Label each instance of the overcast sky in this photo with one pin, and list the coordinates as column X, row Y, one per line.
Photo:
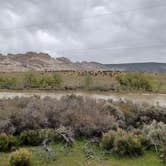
column 107, row 31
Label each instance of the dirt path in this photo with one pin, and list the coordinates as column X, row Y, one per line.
column 153, row 99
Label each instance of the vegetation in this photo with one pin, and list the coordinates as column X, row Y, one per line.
column 77, row 130
column 85, row 116
column 31, row 137
column 156, row 134
column 21, row 157
column 77, row 157
column 7, row 83
column 7, row 142
column 75, row 80
column 94, row 128
column 123, row 143
column 44, row 81
column 88, row 81
column 135, row 81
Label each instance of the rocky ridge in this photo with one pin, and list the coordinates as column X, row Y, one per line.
column 43, row 62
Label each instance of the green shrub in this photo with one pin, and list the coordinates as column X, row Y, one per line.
column 135, row 81
column 21, row 157
column 7, row 142
column 30, row 137
column 128, row 144
column 64, row 135
column 141, row 137
column 122, row 143
column 155, row 133
column 36, row 137
column 57, row 80
column 30, row 80
column 7, row 83
column 46, row 133
column 88, row 81
column 50, row 81
column 108, row 140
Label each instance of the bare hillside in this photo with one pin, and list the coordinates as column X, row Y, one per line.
column 42, row 62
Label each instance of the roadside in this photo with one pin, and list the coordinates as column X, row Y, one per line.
column 149, row 98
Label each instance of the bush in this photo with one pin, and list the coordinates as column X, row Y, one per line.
column 135, row 81
column 128, row 145
column 30, row 137
column 137, row 114
column 30, row 80
column 85, row 116
column 7, row 142
column 57, row 80
column 108, row 139
column 88, row 81
column 6, row 127
column 7, row 83
column 36, row 137
column 153, row 113
column 122, row 143
column 21, row 157
column 47, row 133
column 156, row 134
column 65, row 135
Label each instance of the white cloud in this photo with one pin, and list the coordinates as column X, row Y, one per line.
column 59, row 29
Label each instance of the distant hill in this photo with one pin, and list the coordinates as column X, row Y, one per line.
column 43, row 62
column 140, row 67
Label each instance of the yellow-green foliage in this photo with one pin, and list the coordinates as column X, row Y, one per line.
column 31, row 80
column 7, row 142
column 21, row 157
column 30, row 137
column 6, row 82
column 135, row 81
column 99, row 80
column 122, row 142
column 108, row 140
column 36, row 137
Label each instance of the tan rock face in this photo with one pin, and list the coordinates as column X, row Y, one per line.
column 42, row 62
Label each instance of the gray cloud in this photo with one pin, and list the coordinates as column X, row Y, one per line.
column 134, row 31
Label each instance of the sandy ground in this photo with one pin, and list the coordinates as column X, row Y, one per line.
column 152, row 99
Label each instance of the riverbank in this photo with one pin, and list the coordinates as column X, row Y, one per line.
column 149, row 98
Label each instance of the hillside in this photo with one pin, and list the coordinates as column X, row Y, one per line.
column 42, row 62
column 139, row 67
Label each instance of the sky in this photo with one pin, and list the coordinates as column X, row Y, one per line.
column 107, row 31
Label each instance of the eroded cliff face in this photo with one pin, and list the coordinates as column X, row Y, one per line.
column 42, row 62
